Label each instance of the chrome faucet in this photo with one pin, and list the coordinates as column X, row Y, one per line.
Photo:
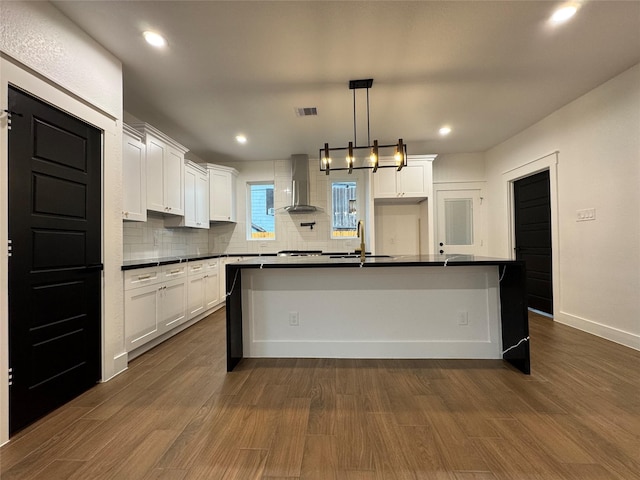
column 361, row 235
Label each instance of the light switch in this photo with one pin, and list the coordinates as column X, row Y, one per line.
column 586, row 215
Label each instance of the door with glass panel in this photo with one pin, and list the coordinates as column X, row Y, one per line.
column 458, row 222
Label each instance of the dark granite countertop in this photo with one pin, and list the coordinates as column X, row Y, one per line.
column 341, row 260
column 335, row 259
column 153, row 262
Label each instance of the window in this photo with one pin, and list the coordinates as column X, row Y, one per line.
column 344, row 210
column 458, row 217
column 261, row 217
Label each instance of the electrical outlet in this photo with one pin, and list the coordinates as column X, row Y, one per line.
column 294, row 319
column 463, row 318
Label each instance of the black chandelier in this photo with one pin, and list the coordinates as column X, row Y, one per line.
column 364, row 157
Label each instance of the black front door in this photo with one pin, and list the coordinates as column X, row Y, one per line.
column 54, row 268
column 533, row 237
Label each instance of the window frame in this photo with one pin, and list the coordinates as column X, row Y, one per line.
column 360, row 202
column 249, row 223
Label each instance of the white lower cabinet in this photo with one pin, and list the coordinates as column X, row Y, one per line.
column 155, row 302
column 204, row 286
column 212, row 284
column 196, row 289
column 159, row 299
column 141, row 315
column 172, row 304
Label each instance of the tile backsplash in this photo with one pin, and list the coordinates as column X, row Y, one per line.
column 151, row 239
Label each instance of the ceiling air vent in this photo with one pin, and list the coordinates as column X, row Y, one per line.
column 306, row 112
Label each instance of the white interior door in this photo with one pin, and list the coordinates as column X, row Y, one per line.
column 459, row 218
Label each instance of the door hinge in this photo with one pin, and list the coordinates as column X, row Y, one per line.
column 10, row 376
column 10, row 114
column 9, row 248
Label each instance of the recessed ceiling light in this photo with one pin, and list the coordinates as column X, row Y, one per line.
column 241, row 139
column 154, row 39
column 564, row 13
column 444, row 131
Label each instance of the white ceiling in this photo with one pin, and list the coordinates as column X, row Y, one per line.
column 489, row 69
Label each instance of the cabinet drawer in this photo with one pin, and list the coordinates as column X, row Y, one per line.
column 140, row 277
column 176, row 270
column 211, row 264
column 196, row 268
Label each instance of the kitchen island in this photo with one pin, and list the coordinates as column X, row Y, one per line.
column 429, row 306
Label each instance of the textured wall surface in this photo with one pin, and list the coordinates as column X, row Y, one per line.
column 39, row 36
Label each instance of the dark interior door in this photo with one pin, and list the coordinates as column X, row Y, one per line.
column 533, row 237
column 54, row 269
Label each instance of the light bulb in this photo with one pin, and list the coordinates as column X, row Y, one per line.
column 564, row 13
column 154, row 39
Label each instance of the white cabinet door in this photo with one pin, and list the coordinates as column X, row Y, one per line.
column 196, row 199
column 165, row 171
column 211, row 290
column 155, row 175
column 384, row 183
column 141, row 307
column 173, row 304
column 220, row 206
column 222, row 193
column 190, row 201
column 174, row 182
column 195, row 294
column 211, row 284
column 134, row 176
column 202, row 200
column 412, row 180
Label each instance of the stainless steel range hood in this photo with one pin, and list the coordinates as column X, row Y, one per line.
column 300, row 186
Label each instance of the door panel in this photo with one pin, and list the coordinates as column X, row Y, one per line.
column 458, row 222
column 54, row 271
column 532, row 215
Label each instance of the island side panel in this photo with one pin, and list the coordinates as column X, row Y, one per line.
column 515, row 316
column 235, row 348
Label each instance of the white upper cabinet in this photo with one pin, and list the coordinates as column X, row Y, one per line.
column 196, row 198
column 222, row 193
column 134, row 176
column 165, row 171
column 413, row 181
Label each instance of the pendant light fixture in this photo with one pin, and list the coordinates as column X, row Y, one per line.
column 364, row 157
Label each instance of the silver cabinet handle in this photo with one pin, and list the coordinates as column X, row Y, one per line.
column 144, row 277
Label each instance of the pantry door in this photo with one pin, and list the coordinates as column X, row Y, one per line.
column 55, row 265
column 532, row 220
column 459, row 221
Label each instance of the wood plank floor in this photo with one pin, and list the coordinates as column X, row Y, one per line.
column 176, row 414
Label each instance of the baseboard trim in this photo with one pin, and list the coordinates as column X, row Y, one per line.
column 615, row 335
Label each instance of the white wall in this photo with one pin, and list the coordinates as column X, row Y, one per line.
column 47, row 55
column 597, row 268
column 459, row 168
